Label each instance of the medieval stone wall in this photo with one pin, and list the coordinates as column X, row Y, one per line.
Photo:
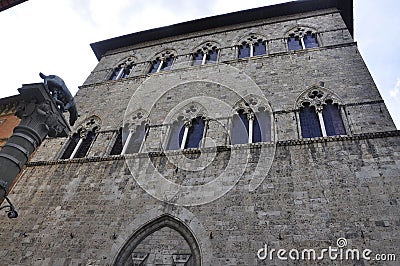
column 315, row 192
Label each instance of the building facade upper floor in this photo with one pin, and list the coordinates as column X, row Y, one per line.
column 289, row 76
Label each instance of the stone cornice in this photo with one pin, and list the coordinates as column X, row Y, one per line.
column 374, row 135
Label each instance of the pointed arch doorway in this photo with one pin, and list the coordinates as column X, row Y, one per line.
column 162, row 241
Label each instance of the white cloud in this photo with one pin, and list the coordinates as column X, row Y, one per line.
column 396, row 90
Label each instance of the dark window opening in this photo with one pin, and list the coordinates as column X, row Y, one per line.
column 240, row 128
column 259, row 48
column 197, row 58
column 262, row 126
column 333, row 121
column 154, row 65
column 120, row 72
column 176, row 135
column 194, row 135
column 115, row 73
column 244, row 50
column 127, row 71
column 180, row 136
column 310, row 40
column 310, row 127
column 167, row 63
column 117, row 147
column 71, row 146
column 256, row 131
column 212, row 55
column 84, row 147
column 294, row 43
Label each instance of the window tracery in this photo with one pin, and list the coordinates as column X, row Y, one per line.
column 301, row 38
column 123, row 69
column 319, row 113
column 162, row 62
column 208, row 53
column 81, row 141
column 253, row 45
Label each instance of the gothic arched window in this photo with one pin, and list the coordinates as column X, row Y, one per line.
column 186, row 135
column 320, row 116
column 81, row 141
column 163, row 62
column 121, row 72
column 301, row 38
column 249, row 127
column 252, row 46
column 205, row 55
column 79, row 144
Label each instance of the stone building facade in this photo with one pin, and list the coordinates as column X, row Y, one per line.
column 207, row 142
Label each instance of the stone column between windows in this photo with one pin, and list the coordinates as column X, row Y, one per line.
column 203, row 139
column 204, row 58
column 266, row 47
column 160, row 65
column 251, row 50
column 120, row 73
column 185, row 134
column 82, row 137
column 286, row 40
column 228, row 136
column 321, row 123
column 302, row 42
column 250, row 117
column 128, row 139
column 297, row 114
column 318, row 39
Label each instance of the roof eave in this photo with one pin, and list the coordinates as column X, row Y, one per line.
column 285, row 9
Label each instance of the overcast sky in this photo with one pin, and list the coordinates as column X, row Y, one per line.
column 53, row 37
